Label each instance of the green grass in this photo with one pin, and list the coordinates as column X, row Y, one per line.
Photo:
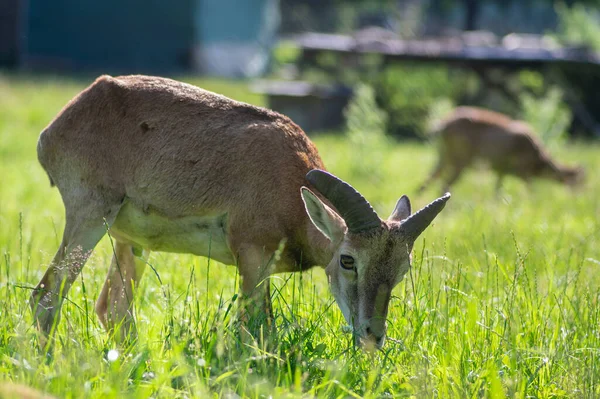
column 502, row 299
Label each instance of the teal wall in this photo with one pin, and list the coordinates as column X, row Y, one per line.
column 145, row 36
column 236, row 20
column 110, row 35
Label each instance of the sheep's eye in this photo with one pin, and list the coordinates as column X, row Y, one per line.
column 347, row 262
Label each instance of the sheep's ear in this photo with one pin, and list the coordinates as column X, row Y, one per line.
column 323, row 217
column 401, row 211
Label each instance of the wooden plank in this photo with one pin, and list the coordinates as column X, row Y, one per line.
column 448, row 51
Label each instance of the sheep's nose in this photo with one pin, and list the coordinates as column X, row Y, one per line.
column 371, row 341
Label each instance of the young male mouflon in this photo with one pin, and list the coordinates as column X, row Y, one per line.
column 508, row 146
column 166, row 166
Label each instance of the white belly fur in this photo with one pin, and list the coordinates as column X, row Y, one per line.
column 198, row 235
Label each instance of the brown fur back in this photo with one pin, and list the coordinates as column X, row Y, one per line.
column 180, row 150
column 506, row 144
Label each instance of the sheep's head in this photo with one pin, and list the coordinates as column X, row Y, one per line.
column 370, row 255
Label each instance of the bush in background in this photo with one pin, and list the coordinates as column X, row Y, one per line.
column 578, row 25
column 438, row 111
column 366, row 126
column 409, row 93
column 549, row 116
column 543, row 107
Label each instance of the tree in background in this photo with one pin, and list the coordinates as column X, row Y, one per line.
column 471, row 8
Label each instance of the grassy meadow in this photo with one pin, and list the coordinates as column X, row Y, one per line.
column 502, row 300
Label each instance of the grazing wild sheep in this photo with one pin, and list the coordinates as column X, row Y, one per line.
column 166, row 166
column 508, row 146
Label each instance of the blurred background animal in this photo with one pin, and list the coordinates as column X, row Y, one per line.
column 508, row 146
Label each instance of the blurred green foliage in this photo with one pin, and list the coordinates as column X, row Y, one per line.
column 578, row 25
column 286, row 52
column 408, row 93
column 543, row 107
column 366, row 127
column 548, row 115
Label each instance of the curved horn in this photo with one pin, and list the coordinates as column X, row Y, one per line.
column 352, row 207
column 415, row 224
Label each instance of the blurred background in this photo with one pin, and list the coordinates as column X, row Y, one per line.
column 415, row 60
column 504, row 295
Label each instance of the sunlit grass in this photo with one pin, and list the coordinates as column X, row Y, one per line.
column 502, row 299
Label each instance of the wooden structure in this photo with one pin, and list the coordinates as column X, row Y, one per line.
column 515, row 51
column 483, row 54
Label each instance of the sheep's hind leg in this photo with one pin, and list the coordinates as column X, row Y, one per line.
column 452, row 178
column 115, row 303
column 435, row 174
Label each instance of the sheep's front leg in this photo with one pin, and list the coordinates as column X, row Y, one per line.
column 85, row 225
column 256, row 313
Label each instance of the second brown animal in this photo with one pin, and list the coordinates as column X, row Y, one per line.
column 508, row 146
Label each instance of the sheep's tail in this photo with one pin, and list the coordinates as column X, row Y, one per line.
column 40, row 148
